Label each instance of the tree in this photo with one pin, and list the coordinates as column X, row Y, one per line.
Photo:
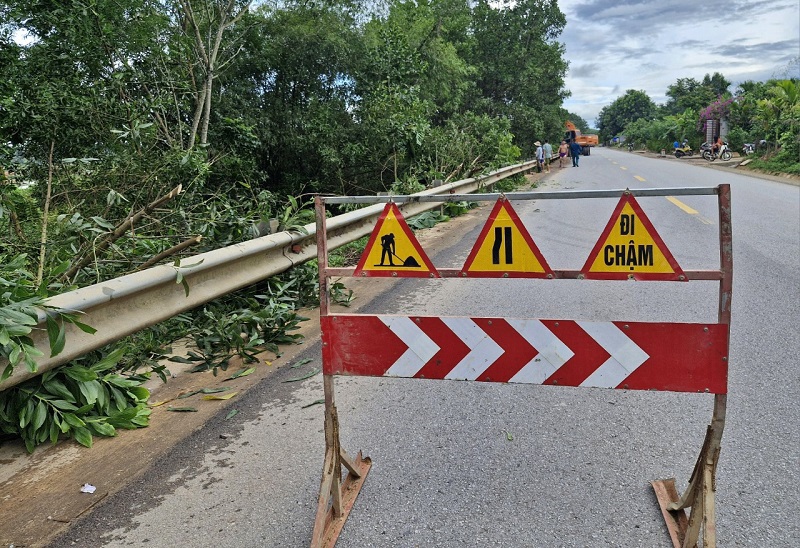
column 613, row 118
column 688, row 93
column 717, row 83
column 208, row 22
column 682, row 126
column 779, row 116
column 520, row 66
column 579, row 122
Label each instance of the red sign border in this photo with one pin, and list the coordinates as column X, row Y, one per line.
column 676, row 276
column 359, row 271
column 503, row 203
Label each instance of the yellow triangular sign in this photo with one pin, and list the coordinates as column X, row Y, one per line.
column 505, row 248
column 393, row 250
column 630, row 248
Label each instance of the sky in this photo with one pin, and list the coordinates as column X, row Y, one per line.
column 616, row 45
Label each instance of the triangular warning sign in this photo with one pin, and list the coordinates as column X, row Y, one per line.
column 630, row 248
column 393, row 250
column 505, row 248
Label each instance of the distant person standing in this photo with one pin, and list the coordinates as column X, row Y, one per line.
column 548, row 154
column 575, row 151
column 562, row 153
column 539, row 156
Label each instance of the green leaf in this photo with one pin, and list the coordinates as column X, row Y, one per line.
column 301, row 362
column 73, row 420
column 182, row 409
column 39, row 415
column 140, row 393
column 57, row 336
column 83, row 327
column 315, row 402
column 18, row 330
column 120, row 381
column 61, row 425
column 109, row 361
column 90, row 391
column 80, row 373
column 26, row 414
column 57, row 388
column 306, row 376
column 120, row 401
column 232, row 413
column 103, row 428
column 4, row 336
column 102, row 222
column 14, row 355
column 54, row 432
column 241, row 373
column 63, row 405
column 83, row 436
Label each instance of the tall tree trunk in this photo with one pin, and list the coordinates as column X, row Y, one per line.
column 208, row 55
column 45, row 213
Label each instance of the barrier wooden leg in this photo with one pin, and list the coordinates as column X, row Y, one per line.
column 699, row 495
column 336, row 497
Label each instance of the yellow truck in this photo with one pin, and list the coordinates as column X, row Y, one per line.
column 586, row 141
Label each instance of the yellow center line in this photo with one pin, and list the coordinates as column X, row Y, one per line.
column 681, row 205
column 689, row 210
column 642, row 179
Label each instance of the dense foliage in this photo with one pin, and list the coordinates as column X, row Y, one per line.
column 766, row 114
column 134, row 132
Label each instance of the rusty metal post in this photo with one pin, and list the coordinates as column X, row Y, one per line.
column 336, row 497
column 701, row 491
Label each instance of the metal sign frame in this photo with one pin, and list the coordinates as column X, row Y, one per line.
column 337, row 494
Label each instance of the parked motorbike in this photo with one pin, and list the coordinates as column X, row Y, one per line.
column 748, row 148
column 683, row 150
column 723, row 153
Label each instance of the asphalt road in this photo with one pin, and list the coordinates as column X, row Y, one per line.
column 482, row 464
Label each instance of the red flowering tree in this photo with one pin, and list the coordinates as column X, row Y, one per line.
column 717, row 110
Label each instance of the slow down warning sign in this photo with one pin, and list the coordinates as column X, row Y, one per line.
column 630, row 248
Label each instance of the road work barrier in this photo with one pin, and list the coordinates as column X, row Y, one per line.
column 677, row 357
column 122, row 306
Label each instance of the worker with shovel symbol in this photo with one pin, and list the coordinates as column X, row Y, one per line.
column 388, row 250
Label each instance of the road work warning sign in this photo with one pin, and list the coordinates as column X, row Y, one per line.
column 505, row 248
column 630, row 247
column 393, row 250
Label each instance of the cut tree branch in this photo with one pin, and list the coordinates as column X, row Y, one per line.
column 118, row 232
column 169, row 252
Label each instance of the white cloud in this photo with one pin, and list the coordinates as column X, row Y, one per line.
column 644, row 45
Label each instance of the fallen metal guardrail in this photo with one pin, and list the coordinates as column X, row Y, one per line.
column 119, row 307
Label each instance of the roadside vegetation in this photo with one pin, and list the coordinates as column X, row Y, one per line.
column 766, row 114
column 141, row 132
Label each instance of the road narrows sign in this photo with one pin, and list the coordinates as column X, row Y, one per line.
column 630, row 247
column 393, row 250
column 504, row 248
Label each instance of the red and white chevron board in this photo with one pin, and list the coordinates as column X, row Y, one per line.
column 679, row 357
